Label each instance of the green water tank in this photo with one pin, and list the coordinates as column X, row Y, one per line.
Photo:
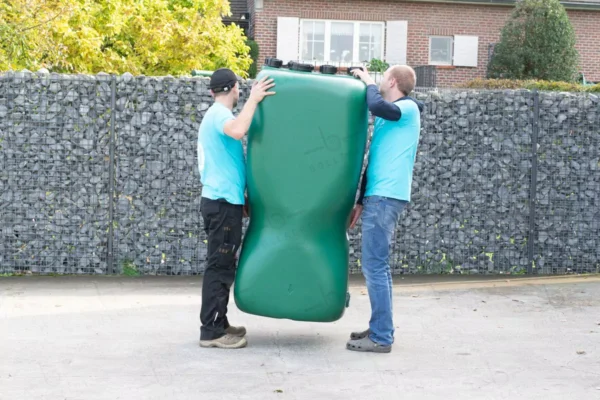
column 305, row 152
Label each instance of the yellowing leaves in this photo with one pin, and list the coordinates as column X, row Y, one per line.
column 151, row 37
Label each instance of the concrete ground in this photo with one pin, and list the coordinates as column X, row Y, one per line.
column 127, row 338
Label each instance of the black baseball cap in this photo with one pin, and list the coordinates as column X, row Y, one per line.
column 223, row 80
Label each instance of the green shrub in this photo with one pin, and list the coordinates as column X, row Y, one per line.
column 377, row 65
column 537, row 42
column 593, row 88
column 557, row 86
column 529, row 84
column 253, row 70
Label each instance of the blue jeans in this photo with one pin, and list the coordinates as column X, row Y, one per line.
column 379, row 218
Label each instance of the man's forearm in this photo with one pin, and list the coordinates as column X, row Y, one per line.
column 363, row 188
column 241, row 124
column 381, row 108
column 368, row 80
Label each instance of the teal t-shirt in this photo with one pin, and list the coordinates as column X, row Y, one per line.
column 393, row 152
column 221, row 159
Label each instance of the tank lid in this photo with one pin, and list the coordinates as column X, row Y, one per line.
column 294, row 66
column 273, row 62
column 328, row 69
column 352, row 69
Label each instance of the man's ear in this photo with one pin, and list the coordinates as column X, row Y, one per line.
column 393, row 83
column 212, row 93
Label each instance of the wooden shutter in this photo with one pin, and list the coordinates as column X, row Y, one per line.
column 396, row 41
column 287, row 38
column 466, row 51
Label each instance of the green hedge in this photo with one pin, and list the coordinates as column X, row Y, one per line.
column 531, row 85
column 253, row 70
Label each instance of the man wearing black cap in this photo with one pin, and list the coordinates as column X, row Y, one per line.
column 222, row 169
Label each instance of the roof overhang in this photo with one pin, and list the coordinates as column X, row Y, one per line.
column 569, row 5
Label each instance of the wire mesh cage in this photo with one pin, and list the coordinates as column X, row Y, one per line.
column 98, row 175
column 567, row 234
column 158, row 224
column 54, row 175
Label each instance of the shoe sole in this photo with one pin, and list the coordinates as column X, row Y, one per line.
column 380, row 350
column 239, row 345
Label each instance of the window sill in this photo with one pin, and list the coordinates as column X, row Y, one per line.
column 450, row 66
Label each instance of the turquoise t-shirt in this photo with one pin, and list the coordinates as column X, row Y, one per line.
column 393, row 152
column 221, row 159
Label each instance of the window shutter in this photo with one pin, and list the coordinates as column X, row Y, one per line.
column 396, row 42
column 466, row 51
column 287, row 38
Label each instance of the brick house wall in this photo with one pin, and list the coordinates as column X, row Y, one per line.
column 425, row 20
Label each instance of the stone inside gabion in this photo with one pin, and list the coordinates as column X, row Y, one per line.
column 472, row 193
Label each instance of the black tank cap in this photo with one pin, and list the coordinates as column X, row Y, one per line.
column 294, row 66
column 328, row 69
column 352, row 69
column 273, row 62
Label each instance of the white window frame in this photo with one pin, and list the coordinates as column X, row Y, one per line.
column 327, row 47
column 301, row 44
column 357, row 40
column 451, row 62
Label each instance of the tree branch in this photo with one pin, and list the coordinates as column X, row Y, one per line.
column 42, row 23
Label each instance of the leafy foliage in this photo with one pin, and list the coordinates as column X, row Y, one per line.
column 537, row 42
column 530, row 85
column 253, row 70
column 152, row 37
column 377, row 65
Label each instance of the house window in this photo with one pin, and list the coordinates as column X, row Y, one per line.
column 341, row 42
column 313, row 40
column 370, row 41
column 440, row 50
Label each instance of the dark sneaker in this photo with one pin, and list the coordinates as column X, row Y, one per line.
column 238, row 331
column 225, row 342
column 359, row 335
column 367, row 345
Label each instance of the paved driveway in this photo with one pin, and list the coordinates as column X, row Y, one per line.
column 126, row 338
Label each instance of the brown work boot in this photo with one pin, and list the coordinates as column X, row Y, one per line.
column 225, row 342
column 238, row 331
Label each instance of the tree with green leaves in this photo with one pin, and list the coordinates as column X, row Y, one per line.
column 151, row 37
column 537, row 42
column 253, row 70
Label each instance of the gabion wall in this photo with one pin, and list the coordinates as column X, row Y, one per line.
column 54, row 173
column 158, row 225
column 99, row 175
